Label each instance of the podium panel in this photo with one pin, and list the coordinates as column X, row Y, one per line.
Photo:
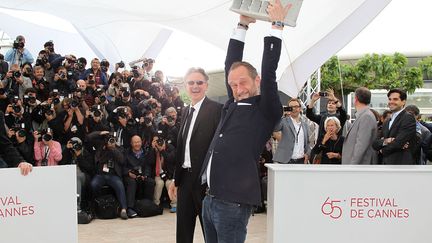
column 40, row 207
column 356, row 204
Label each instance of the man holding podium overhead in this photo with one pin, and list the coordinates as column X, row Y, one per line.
column 247, row 122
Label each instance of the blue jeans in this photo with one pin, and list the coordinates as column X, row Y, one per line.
column 225, row 222
column 113, row 181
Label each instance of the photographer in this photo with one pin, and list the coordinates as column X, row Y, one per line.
column 137, row 175
column 109, row 163
column 169, row 125
column 27, row 73
column 125, row 126
column 99, row 76
column 334, row 108
column 63, row 82
column 24, row 145
column 89, row 93
column 73, row 119
column 177, row 101
column 116, row 82
column 146, row 128
column 76, row 154
column 18, row 54
column 13, row 83
column 124, row 99
column 105, row 67
column 95, row 120
column 138, row 81
column 80, row 65
column 4, row 67
column 40, row 84
column 47, row 152
column 147, row 67
column 162, row 156
column 49, row 48
column 14, row 114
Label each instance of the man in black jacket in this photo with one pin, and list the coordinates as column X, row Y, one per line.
column 193, row 140
column 137, row 170
column 76, row 154
column 9, row 156
column 247, row 122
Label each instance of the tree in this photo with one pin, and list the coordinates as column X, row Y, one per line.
column 371, row 71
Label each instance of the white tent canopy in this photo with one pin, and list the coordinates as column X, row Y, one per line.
column 196, row 32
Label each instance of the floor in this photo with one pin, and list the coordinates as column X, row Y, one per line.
column 158, row 229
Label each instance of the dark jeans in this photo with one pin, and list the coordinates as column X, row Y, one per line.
column 145, row 190
column 114, row 182
column 225, row 222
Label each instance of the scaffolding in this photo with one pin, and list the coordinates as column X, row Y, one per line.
column 310, row 88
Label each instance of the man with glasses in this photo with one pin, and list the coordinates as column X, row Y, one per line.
column 293, row 138
column 199, row 122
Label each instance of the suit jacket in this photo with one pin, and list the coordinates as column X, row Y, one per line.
column 285, row 147
column 403, row 130
column 205, row 125
column 244, row 129
column 357, row 148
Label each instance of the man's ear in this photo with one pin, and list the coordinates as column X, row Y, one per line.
column 257, row 80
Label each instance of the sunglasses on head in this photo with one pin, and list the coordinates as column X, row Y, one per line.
column 199, row 82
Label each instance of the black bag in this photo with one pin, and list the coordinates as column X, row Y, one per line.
column 84, row 217
column 106, row 207
column 147, row 208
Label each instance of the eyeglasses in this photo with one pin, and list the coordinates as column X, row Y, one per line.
column 199, row 82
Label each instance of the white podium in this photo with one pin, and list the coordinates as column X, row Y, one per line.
column 356, row 204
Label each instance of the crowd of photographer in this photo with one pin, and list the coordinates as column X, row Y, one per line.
column 120, row 129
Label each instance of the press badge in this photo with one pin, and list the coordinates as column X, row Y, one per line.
column 105, row 168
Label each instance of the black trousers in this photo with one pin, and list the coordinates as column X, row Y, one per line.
column 138, row 190
column 190, row 194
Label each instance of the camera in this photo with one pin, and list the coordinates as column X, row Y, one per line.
column 74, row 103
column 80, row 64
column 62, row 75
column 160, row 141
column 102, row 98
column 287, row 109
column 110, row 163
column 44, row 162
column 110, row 138
column 16, row 74
column 104, row 65
column 76, row 145
column 170, row 119
column 147, row 121
column 18, row 45
column 29, row 100
column 41, row 61
column 323, row 94
column 45, row 136
column 121, row 64
column 19, row 130
column 135, row 73
column 126, row 93
column 16, row 108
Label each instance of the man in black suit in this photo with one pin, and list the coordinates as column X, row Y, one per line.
column 9, row 155
column 247, row 122
column 199, row 122
column 399, row 132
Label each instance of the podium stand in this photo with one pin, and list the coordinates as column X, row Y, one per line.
column 338, row 204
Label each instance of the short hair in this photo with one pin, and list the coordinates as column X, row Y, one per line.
column 197, row 70
column 402, row 93
column 295, row 100
column 386, row 113
column 363, row 95
column 252, row 71
column 37, row 68
column 335, row 119
column 413, row 109
column 170, row 110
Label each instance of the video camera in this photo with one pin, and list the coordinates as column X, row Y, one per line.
column 18, row 44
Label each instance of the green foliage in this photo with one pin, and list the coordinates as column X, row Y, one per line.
column 374, row 72
column 425, row 65
column 185, row 97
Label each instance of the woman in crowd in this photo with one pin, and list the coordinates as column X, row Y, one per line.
column 330, row 144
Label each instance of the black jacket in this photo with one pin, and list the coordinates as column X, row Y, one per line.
column 244, row 129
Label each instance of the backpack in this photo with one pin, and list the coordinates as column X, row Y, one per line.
column 147, row 208
column 106, row 207
column 84, row 217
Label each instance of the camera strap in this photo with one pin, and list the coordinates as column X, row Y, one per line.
column 47, row 152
